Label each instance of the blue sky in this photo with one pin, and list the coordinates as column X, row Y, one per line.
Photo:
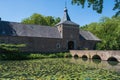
column 16, row 10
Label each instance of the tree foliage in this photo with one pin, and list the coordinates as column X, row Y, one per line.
column 108, row 30
column 41, row 20
column 97, row 5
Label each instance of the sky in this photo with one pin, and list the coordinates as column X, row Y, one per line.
column 17, row 10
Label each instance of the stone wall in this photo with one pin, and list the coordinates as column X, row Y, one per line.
column 35, row 44
column 69, row 33
column 87, row 45
column 38, row 44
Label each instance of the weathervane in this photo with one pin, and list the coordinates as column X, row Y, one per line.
column 66, row 3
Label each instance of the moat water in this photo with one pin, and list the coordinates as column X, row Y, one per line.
column 59, row 69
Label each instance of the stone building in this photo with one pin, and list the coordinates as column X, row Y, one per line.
column 65, row 36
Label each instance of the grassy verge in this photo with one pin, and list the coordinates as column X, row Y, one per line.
column 24, row 56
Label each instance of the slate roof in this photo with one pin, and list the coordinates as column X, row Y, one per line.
column 18, row 29
column 68, row 23
column 66, row 16
column 86, row 35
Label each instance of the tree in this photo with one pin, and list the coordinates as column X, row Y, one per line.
column 97, row 5
column 51, row 21
column 108, row 30
column 41, row 20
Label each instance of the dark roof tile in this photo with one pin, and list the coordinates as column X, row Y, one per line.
column 86, row 35
column 18, row 29
column 68, row 23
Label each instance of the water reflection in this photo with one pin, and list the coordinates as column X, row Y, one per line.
column 84, row 59
column 97, row 63
column 113, row 63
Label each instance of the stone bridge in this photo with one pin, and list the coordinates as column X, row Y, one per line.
column 109, row 55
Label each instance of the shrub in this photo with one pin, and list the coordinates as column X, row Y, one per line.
column 11, row 48
column 24, row 56
column 67, row 55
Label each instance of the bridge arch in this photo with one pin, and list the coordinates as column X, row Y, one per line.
column 84, row 56
column 76, row 56
column 96, row 57
column 112, row 59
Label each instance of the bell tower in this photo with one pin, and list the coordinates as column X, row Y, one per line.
column 66, row 23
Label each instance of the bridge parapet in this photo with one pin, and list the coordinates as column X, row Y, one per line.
column 104, row 55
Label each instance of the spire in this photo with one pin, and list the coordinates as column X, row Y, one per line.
column 66, row 16
column 66, row 19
